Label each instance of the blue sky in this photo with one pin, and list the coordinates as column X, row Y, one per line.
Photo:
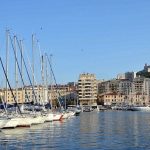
column 105, row 37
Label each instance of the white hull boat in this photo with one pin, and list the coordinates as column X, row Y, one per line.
column 65, row 115
column 57, row 117
column 140, row 108
column 49, row 117
column 71, row 113
column 11, row 123
column 3, row 122
column 24, row 122
column 37, row 119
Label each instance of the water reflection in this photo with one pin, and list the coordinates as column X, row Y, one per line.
column 89, row 129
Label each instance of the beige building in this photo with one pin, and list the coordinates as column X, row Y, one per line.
column 87, row 89
column 136, row 99
column 40, row 95
column 19, row 96
column 139, row 99
column 26, row 95
column 112, row 99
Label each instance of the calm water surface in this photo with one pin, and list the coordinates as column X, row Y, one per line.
column 110, row 130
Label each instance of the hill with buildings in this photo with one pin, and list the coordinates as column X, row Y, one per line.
column 145, row 72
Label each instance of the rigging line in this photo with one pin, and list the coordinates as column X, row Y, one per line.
column 19, row 68
column 54, row 78
column 30, row 67
column 26, row 70
column 9, row 85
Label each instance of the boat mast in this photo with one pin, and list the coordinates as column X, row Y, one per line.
column 21, row 66
column 7, row 53
column 43, row 88
column 46, row 78
column 39, row 86
column 50, row 65
column 65, row 98
column 33, row 63
column 51, row 84
column 16, row 71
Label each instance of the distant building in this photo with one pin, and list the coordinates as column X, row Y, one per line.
column 87, row 89
column 147, row 68
column 136, row 99
column 141, row 85
column 40, row 94
column 128, row 75
column 112, row 99
column 121, row 76
column 108, row 86
column 121, row 86
column 8, row 96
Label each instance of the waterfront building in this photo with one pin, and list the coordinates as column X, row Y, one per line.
column 112, row 98
column 87, row 89
column 61, row 93
column 138, row 99
column 136, row 92
column 39, row 95
column 8, row 96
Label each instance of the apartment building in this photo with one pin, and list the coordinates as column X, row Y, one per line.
column 19, row 96
column 122, row 86
column 41, row 95
column 87, row 89
column 137, row 99
column 112, row 98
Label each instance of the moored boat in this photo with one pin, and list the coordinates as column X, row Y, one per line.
column 57, row 116
column 140, row 108
column 49, row 117
column 11, row 123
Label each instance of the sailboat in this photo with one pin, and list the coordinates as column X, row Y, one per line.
column 57, row 116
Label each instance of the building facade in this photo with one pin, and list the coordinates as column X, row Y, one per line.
column 87, row 89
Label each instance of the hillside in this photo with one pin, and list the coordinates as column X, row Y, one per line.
column 143, row 74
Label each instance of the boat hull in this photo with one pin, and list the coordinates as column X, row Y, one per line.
column 57, row 117
column 3, row 122
column 11, row 123
column 140, row 108
column 24, row 122
column 49, row 117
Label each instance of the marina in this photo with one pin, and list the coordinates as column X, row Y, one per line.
column 75, row 75
column 91, row 130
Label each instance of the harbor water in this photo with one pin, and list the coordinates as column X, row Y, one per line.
column 110, row 130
